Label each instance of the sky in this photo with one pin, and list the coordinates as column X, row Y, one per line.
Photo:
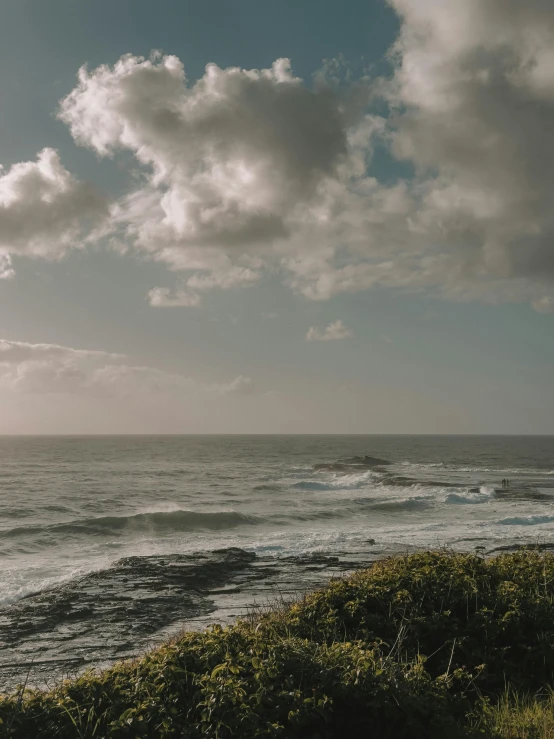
column 237, row 216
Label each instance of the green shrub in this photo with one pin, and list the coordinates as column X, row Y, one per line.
column 238, row 683
column 459, row 610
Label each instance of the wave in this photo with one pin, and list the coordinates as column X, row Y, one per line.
column 177, row 520
column 417, row 503
column 14, row 590
column 281, row 519
column 342, row 482
column 466, row 498
column 526, row 520
column 307, row 485
column 16, row 513
column 423, row 465
column 483, row 496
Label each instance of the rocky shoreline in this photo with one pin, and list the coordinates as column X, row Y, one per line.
column 137, row 603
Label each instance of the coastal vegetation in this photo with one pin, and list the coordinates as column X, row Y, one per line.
column 434, row 644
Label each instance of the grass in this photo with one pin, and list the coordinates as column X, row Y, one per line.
column 517, row 717
column 424, row 645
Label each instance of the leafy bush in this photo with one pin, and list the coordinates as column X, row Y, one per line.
column 459, row 610
column 236, row 683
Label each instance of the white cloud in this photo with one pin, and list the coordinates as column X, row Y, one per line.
column 52, row 369
column 239, row 386
column 6, row 269
column 163, row 297
column 333, row 332
column 245, row 169
column 233, row 277
column 14, row 352
column 472, row 109
column 44, row 210
column 475, row 86
column 544, row 304
column 188, row 296
column 231, row 156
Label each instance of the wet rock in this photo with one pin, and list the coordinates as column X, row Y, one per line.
column 139, row 602
column 519, row 547
column 521, row 492
column 110, row 613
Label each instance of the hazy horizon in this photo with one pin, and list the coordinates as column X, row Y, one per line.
column 314, row 435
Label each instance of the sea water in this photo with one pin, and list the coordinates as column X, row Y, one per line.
column 73, row 505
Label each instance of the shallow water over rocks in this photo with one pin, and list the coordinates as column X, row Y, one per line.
column 120, row 612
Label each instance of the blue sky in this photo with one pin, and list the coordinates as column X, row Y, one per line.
column 171, row 275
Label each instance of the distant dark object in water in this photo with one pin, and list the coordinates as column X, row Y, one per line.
column 343, row 465
column 365, row 461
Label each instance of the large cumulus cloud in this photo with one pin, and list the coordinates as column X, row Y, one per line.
column 474, row 92
column 231, row 156
column 471, row 102
column 244, row 168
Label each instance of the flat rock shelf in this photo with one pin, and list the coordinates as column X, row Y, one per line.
column 139, row 602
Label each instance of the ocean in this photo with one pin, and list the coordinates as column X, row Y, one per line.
column 110, row 543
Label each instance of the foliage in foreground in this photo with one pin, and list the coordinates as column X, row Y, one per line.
column 491, row 616
column 232, row 683
column 406, row 649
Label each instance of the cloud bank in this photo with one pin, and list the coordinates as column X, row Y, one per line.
column 47, row 369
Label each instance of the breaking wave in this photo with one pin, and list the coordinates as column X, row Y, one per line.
column 177, row 520
column 341, row 482
column 526, row 520
column 483, row 496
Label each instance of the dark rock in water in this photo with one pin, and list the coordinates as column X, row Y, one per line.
column 139, row 602
column 365, row 461
column 346, row 465
column 545, row 547
column 521, row 492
